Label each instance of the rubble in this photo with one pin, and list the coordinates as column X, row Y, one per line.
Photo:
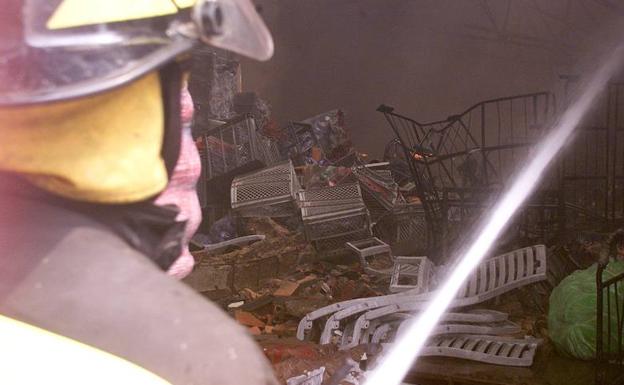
column 292, row 358
column 221, row 275
column 331, row 133
column 354, row 288
column 244, row 240
column 274, row 305
column 278, row 301
column 314, row 377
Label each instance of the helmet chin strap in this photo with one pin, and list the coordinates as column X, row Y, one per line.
column 171, row 78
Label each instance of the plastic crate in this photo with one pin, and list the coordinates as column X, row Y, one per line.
column 270, row 192
column 404, row 225
column 233, row 145
column 333, row 216
column 411, row 273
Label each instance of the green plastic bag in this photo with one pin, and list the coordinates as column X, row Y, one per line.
column 572, row 312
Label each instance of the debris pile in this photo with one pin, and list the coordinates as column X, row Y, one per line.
column 381, row 319
column 331, row 257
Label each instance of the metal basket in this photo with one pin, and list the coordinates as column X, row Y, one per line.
column 270, row 192
column 370, row 249
column 331, row 196
column 379, row 191
column 341, row 222
column 333, row 216
column 269, row 151
column 233, row 145
column 405, row 224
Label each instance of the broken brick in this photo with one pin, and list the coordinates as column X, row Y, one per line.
column 247, row 319
column 286, row 289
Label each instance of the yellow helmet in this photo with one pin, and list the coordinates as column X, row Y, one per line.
column 89, row 89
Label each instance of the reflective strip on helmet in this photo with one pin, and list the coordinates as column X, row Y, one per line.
column 30, row 355
column 79, row 13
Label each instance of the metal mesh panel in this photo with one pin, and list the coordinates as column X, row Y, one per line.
column 269, row 151
column 376, row 209
column 327, row 195
column 404, row 224
column 280, row 172
column 232, row 145
column 333, row 210
column 334, row 215
column 285, row 209
column 258, row 191
column 268, row 192
column 336, row 245
column 411, row 225
column 412, row 229
column 337, row 225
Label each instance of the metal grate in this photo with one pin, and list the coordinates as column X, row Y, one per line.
column 316, row 211
column 259, row 191
column 369, row 251
column 269, row 151
column 412, row 228
column 406, row 225
column 269, row 192
column 279, row 172
column 230, row 146
column 333, row 216
column 376, row 209
column 338, row 225
column 331, row 195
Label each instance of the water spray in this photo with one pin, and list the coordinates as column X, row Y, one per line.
column 395, row 364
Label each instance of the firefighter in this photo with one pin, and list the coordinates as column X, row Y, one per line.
column 90, row 128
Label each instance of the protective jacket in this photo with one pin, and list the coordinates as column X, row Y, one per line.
column 66, row 272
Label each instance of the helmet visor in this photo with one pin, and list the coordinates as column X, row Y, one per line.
column 72, row 48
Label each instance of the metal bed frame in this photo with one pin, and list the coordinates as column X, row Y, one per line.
column 609, row 328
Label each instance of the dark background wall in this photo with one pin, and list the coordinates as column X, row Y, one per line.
column 427, row 58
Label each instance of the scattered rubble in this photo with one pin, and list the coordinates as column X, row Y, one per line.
column 342, row 261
